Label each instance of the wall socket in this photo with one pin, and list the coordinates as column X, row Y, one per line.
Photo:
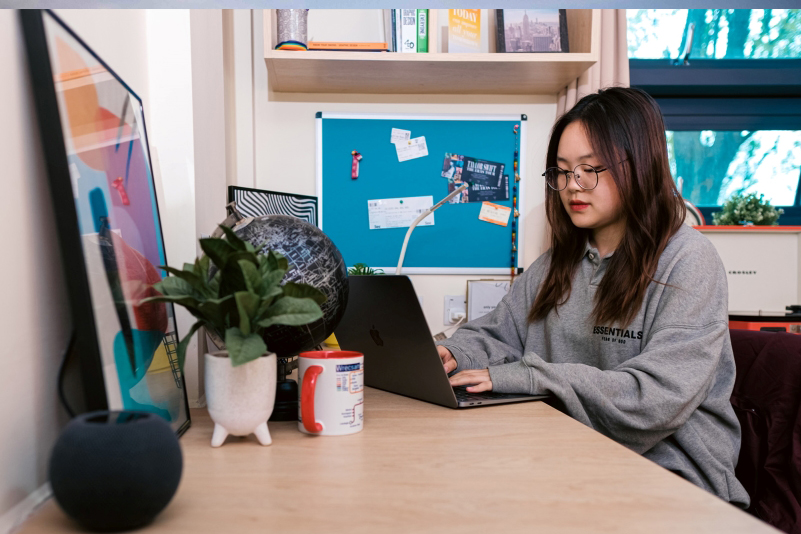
column 453, row 303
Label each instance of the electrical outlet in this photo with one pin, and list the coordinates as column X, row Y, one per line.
column 453, row 304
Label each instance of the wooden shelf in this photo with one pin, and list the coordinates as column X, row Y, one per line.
column 433, row 73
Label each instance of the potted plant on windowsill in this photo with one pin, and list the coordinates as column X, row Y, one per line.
column 235, row 291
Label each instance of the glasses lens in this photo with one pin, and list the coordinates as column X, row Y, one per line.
column 556, row 178
column 586, row 176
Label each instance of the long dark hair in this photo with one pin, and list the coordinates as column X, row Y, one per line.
column 627, row 134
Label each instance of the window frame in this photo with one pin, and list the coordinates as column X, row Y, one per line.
column 726, row 94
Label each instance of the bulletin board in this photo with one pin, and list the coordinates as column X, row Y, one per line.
column 458, row 242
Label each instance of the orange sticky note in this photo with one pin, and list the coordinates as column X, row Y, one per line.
column 494, row 213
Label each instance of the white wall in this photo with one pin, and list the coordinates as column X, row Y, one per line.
column 34, row 318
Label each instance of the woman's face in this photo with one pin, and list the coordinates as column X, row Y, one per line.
column 595, row 209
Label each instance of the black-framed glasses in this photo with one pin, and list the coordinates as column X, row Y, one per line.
column 586, row 176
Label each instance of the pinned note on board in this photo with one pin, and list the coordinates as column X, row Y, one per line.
column 411, row 149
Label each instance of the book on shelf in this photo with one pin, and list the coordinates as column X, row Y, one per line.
column 408, row 30
column 389, row 28
column 359, row 47
column 422, row 30
column 467, row 31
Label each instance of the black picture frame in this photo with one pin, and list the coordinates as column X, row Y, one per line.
column 252, row 202
column 537, row 41
column 102, row 256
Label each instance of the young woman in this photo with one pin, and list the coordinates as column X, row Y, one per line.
column 624, row 321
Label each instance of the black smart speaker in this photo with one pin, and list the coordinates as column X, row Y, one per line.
column 113, row 471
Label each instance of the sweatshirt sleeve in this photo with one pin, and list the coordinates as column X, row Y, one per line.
column 499, row 336
column 489, row 340
column 648, row 397
column 639, row 403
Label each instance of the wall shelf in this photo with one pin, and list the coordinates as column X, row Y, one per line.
column 433, row 73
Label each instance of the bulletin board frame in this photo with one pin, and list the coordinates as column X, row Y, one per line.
column 473, row 247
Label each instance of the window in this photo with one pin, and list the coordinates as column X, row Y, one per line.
column 733, row 108
column 718, row 33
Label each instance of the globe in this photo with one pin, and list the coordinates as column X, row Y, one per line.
column 314, row 260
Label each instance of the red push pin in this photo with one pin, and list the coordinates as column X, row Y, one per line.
column 354, row 169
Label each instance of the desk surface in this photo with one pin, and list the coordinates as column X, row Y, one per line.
column 417, row 467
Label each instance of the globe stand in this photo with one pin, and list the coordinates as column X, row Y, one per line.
column 286, row 392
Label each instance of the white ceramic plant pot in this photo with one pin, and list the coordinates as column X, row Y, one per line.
column 240, row 399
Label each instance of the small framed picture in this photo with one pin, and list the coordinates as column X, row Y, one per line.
column 531, row 30
column 483, row 296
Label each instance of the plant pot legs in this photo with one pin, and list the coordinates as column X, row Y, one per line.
column 220, row 433
column 263, row 434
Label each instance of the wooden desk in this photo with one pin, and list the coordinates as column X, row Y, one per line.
column 418, row 467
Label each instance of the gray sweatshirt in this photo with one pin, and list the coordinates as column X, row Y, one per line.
column 661, row 386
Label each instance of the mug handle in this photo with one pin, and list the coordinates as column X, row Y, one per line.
column 307, row 399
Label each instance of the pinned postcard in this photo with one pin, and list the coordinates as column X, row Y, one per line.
column 495, row 213
column 486, row 178
column 411, row 149
column 399, row 135
column 398, row 212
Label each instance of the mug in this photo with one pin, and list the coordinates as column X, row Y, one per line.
column 331, row 392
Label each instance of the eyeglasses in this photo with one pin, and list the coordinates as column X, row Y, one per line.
column 586, row 177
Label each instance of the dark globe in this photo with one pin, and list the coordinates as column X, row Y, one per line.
column 314, row 260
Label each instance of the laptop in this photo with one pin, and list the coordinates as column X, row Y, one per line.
column 384, row 321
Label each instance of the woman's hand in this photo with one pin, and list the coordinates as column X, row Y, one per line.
column 479, row 377
column 448, row 361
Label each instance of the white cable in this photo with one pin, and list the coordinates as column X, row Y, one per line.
column 420, row 218
column 441, row 335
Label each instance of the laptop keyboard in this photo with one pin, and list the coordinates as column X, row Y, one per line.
column 463, row 395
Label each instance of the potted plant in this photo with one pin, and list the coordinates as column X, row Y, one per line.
column 751, row 209
column 235, row 291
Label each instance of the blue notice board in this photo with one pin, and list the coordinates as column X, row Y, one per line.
column 458, row 242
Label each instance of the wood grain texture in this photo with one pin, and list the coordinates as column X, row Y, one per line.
column 418, row 467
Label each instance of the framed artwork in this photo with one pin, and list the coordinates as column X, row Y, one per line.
column 92, row 127
column 531, row 30
column 256, row 202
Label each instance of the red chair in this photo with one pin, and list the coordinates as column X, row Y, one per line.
column 767, row 401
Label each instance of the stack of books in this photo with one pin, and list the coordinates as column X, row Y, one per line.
column 345, row 47
column 407, row 29
column 404, row 30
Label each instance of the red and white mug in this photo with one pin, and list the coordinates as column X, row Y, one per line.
column 331, row 392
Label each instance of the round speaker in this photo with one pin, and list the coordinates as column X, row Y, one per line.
column 113, row 471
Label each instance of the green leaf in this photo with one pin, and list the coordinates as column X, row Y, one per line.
column 244, row 255
column 266, row 301
column 292, row 311
column 186, row 301
column 217, row 250
column 174, row 287
column 233, row 239
column 203, row 264
column 189, row 277
column 232, row 279
column 185, row 343
column 247, row 304
column 276, row 260
column 291, row 289
column 271, row 279
column 251, row 275
column 214, row 284
column 216, row 311
column 243, row 348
